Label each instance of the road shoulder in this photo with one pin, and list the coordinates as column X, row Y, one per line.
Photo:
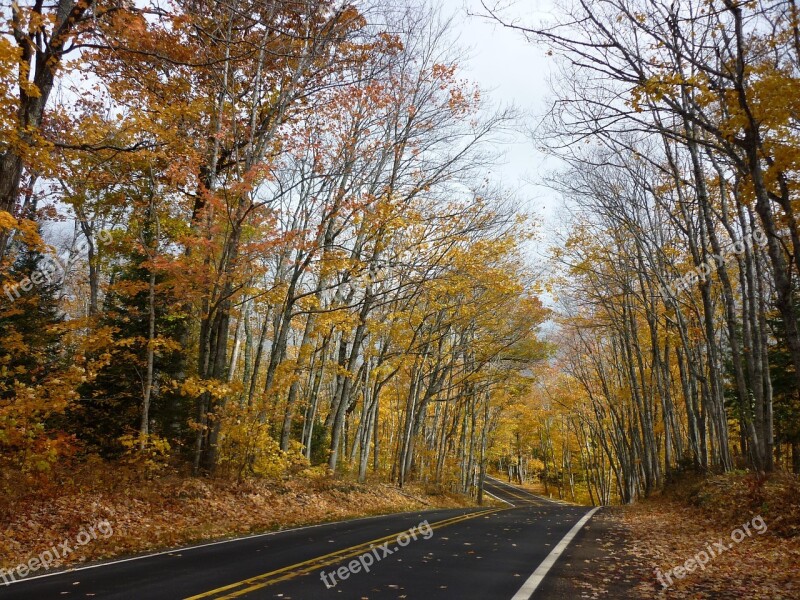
column 598, row 563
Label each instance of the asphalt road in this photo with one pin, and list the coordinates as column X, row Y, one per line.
column 441, row 554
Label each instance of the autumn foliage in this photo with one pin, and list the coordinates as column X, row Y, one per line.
column 275, row 248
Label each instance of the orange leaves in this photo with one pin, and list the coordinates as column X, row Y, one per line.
column 30, row 404
column 444, row 73
column 669, row 530
column 279, row 180
column 171, row 511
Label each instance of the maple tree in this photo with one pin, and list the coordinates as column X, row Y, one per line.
column 278, row 248
column 277, row 245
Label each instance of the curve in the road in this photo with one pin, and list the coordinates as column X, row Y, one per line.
column 474, row 554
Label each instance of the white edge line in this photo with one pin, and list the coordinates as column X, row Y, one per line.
column 533, row 582
column 206, row 545
column 531, row 494
column 500, row 499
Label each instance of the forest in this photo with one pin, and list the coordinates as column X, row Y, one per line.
column 261, row 240
column 243, row 239
column 679, row 350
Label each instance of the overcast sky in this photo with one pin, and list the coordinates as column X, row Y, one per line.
column 512, row 71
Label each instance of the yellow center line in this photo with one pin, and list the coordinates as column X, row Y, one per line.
column 301, row 568
column 505, row 490
column 510, row 486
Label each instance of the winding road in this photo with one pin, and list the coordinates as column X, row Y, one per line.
column 505, row 552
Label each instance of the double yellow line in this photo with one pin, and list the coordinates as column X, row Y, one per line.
column 240, row 588
column 514, row 494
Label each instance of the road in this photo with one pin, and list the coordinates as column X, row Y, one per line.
column 484, row 553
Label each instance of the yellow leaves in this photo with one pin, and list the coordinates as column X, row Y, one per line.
column 666, row 84
column 7, row 221
column 343, row 372
column 27, row 230
column 193, row 387
column 149, row 453
column 342, row 319
column 334, row 262
column 10, row 55
column 24, row 433
column 247, row 446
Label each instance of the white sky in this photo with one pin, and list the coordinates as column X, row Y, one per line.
column 513, row 71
